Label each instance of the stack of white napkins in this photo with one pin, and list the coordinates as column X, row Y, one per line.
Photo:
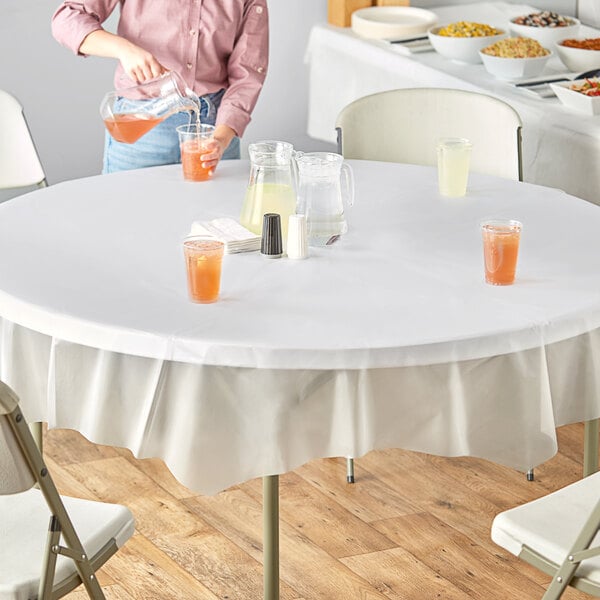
column 235, row 237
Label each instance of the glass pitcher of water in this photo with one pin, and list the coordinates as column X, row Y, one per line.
column 131, row 112
column 325, row 186
column 271, row 186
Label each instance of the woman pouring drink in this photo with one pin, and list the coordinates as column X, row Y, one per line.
column 219, row 47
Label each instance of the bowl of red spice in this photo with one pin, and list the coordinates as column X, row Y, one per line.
column 579, row 54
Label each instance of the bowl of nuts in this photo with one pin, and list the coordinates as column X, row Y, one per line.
column 546, row 27
column 462, row 41
column 515, row 58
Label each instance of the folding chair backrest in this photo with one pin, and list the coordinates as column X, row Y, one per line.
column 20, row 165
column 404, row 125
column 15, row 473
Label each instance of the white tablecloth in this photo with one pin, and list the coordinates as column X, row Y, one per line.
column 561, row 147
column 388, row 338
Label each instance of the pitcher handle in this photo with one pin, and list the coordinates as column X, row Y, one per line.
column 348, row 183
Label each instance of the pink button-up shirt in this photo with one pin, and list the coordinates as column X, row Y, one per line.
column 213, row 44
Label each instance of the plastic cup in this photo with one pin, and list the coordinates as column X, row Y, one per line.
column 195, row 141
column 203, row 259
column 454, row 155
column 500, row 250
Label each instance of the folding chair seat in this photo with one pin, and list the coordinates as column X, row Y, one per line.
column 558, row 534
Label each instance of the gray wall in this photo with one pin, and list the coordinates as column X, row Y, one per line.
column 61, row 92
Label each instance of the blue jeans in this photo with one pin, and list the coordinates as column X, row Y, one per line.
column 160, row 146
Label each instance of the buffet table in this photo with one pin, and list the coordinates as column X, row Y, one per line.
column 388, row 338
column 561, row 148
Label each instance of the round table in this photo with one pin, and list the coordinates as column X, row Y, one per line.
column 388, row 338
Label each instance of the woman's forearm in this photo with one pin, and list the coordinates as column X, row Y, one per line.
column 139, row 64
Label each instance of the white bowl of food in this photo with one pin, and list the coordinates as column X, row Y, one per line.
column 391, row 22
column 546, row 27
column 582, row 94
column 515, row 58
column 462, row 41
column 579, row 54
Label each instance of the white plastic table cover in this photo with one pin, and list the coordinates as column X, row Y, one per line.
column 561, row 147
column 389, row 338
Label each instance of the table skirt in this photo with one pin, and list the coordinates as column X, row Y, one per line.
column 257, row 422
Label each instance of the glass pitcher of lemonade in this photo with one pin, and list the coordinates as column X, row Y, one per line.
column 325, row 186
column 271, row 187
column 131, row 112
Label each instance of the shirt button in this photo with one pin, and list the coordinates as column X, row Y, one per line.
column 192, row 32
column 189, row 65
column 260, row 69
column 259, row 10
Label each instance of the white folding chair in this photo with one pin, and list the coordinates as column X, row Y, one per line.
column 20, row 164
column 49, row 544
column 558, row 534
column 404, row 125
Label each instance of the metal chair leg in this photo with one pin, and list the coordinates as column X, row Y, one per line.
column 350, row 470
column 590, row 447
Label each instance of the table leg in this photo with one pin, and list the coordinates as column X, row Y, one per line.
column 36, row 428
column 590, row 447
column 271, row 537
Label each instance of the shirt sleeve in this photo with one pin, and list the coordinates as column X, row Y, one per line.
column 247, row 68
column 72, row 22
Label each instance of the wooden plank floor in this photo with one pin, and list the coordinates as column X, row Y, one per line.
column 413, row 527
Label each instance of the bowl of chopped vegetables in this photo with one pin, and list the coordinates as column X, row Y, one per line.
column 546, row 27
column 582, row 94
column 579, row 54
column 462, row 41
column 515, row 58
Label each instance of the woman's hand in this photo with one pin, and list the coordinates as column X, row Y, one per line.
column 216, row 147
column 139, row 64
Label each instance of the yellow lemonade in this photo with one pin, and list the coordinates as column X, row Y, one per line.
column 264, row 198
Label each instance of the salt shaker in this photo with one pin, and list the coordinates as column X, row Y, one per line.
column 296, row 240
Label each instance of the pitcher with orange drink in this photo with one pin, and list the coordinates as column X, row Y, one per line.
column 130, row 113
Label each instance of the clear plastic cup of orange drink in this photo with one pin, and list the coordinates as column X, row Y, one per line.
column 501, row 239
column 195, row 141
column 203, row 259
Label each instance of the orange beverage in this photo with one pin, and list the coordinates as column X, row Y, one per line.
column 203, row 258
column 500, row 250
column 194, row 142
column 191, row 151
column 129, row 128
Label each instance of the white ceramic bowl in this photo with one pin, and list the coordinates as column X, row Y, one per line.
column 546, row 36
column 462, row 49
column 576, row 100
column 578, row 59
column 514, row 68
column 392, row 22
